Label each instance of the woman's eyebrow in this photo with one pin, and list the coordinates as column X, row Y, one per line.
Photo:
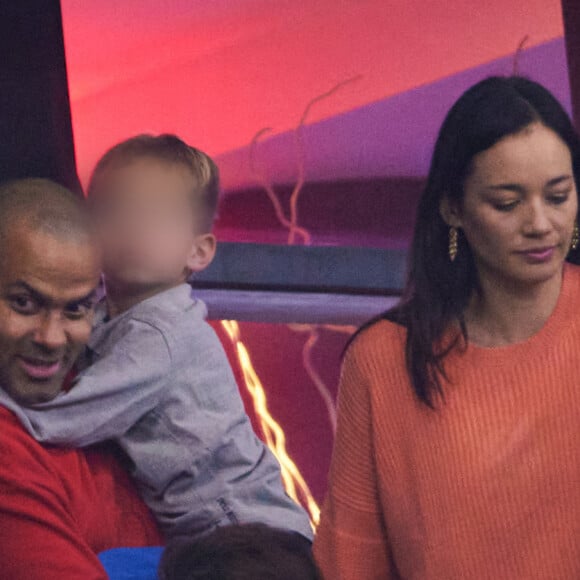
column 517, row 188
column 558, row 180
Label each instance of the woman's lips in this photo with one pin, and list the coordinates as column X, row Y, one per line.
column 538, row 255
column 39, row 369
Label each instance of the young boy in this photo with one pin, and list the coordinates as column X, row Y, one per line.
column 156, row 378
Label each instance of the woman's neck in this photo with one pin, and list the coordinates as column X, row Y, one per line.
column 503, row 313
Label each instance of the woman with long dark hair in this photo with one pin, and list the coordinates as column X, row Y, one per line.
column 457, row 449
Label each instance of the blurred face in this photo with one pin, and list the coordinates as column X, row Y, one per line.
column 47, row 291
column 519, row 207
column 146, row 222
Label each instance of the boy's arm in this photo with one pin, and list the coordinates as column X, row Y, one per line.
column 109, row 397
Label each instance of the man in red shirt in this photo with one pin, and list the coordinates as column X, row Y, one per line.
column 58, row 507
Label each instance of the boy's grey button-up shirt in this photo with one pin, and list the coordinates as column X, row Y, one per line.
column 161, row 385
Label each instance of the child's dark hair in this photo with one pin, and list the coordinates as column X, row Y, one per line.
column 172, row 150
column 241, row 552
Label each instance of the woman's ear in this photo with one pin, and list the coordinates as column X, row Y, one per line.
column 202, row 252
column 449, row 212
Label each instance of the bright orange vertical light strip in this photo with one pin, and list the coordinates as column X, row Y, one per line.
column 294, row 482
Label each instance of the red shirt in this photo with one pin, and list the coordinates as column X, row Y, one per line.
column 61, row 507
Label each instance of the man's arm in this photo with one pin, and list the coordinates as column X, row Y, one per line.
column 109, row 397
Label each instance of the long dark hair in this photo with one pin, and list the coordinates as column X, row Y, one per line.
column 438, row 290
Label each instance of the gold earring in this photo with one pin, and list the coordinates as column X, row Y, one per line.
column 453, row 243
column 575, row 237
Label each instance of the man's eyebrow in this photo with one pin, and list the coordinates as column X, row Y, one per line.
column 90, row 297
column 36, row 294
column 43, row 299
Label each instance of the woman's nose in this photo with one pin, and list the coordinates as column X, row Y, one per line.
column 537, row 219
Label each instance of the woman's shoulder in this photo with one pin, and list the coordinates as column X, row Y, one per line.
column 379, row 340
column 379, row 330
column 375, row 370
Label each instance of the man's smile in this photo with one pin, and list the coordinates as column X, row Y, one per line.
column 40, row 369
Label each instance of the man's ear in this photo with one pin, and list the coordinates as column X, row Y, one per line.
column 202, row 252
column 449, row 212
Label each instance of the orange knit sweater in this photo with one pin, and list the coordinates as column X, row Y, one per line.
column 487, row 487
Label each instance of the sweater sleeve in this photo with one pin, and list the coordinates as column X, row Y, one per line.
column 39, row 537
column 109, row 397
column 351, row 542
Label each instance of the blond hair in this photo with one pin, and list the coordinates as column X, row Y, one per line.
column 170, row 149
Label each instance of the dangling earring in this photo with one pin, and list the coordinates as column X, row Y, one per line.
column 452, row 243
column 575, row 237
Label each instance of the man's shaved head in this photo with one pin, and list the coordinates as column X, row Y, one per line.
column 43, row 206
